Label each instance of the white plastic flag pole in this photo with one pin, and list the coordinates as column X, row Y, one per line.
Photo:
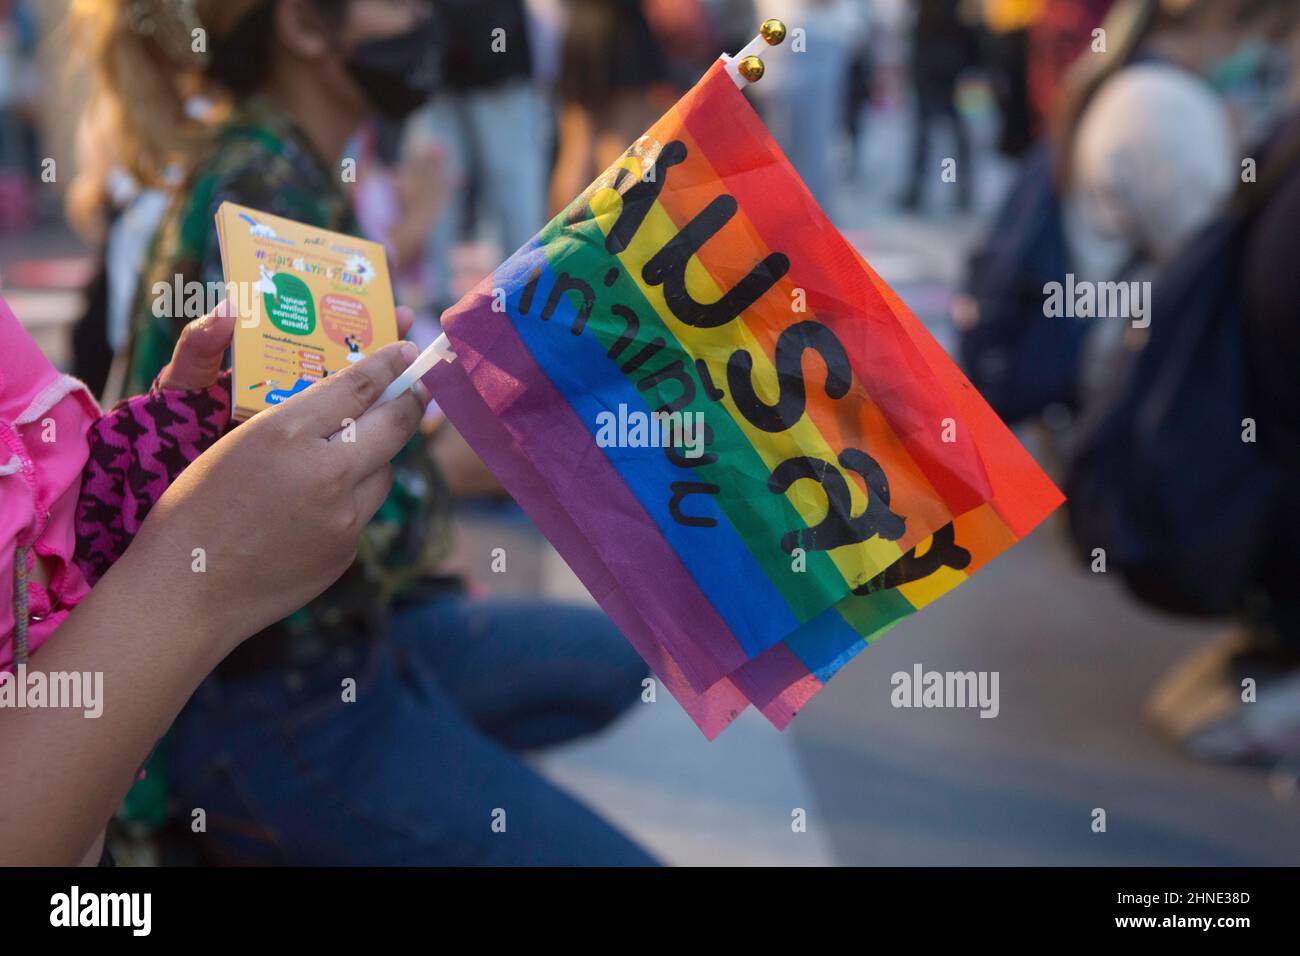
column 439, row 351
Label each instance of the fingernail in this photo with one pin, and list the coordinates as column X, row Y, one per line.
column 422, row 392
column 410, row 351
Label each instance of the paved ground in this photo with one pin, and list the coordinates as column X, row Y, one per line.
column 902, row 786
column 1076, row 660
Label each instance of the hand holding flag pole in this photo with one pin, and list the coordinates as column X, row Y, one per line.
column 439, row 351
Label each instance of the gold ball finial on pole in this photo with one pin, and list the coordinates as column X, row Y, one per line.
column 746, row 66
column 751, row 68
column 772, row 31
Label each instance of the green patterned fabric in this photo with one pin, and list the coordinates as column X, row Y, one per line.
column 261, row 159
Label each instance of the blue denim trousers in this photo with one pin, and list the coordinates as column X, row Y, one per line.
column 423, row 768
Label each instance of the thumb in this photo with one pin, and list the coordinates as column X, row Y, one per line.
column 197, row 359
column 346, row 395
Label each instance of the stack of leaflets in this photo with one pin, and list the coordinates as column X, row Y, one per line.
column 310, row 302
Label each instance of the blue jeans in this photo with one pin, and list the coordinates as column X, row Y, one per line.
column 419, row 770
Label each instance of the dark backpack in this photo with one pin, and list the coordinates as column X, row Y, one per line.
column 1161, row 479
column 1020, row 359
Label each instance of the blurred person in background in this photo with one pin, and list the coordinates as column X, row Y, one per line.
column 1160, row 184
column 492, row 123
column 545, row 35
column 1201, row 703
column 398, row 199
column 118, row 217
column 804, row 89
column 18, row 91
column 731, row 26
column 692, row 33
column 1007, row 24
column 448, row 687
column 1142, row 176
column 1061, row 34
column 1146, row 153
column 611, row 62
column 944, row 47
column 858, row 93
column 1142, row 154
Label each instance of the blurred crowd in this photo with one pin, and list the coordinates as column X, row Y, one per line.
column 19, row 84
column 1133, row 126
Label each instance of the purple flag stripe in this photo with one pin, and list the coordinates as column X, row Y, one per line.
column 712, row 710
column 585, row 484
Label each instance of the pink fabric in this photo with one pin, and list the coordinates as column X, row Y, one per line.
column 76, row 486
column 44, row 418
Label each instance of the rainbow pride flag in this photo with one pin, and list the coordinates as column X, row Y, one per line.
column 747, row 448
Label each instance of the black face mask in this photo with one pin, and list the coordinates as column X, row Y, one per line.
column 398, row 73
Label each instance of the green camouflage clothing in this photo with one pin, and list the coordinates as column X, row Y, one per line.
column 261, row 159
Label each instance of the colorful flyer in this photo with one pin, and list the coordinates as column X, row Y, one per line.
column 310, row 302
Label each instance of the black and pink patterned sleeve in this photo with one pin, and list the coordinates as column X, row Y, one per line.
column 136, row 451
